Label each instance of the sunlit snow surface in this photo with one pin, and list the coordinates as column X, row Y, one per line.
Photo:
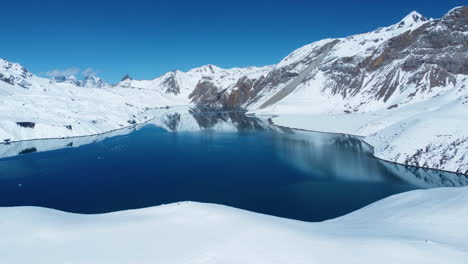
column 415, row 227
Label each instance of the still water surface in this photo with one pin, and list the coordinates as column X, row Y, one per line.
column 226, row 158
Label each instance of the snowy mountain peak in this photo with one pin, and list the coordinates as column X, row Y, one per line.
column 410, row 22
column 126, row 77
column 88, row 81
column 67, row 79
column 209, row 68
column 413, row 17
column 14, row 74
column 7, row 65
column 93, row 82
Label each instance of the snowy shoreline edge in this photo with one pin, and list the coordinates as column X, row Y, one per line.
column 367, row 143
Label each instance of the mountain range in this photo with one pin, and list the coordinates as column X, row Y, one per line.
column 402, row 87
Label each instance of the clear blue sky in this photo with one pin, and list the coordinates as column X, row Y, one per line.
column 148, row 38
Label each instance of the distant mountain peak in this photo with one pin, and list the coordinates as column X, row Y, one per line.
column 93, row 82
column 413, row 17
column 126, row 77
column 67, row 79
column 209, row 68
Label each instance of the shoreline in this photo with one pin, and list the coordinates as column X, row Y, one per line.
column 268, row 119
column 367, row 143
column 73, row 137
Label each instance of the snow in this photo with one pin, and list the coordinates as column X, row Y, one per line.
column 424, row 226
column 302, row 53
column 54, row 106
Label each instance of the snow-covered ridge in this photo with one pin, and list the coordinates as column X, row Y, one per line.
column 14, row 74
column 350, row 45
column 422, row 226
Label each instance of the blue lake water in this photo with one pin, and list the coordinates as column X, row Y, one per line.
column 226, row 158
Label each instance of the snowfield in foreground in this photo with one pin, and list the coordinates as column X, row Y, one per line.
column 416, row 227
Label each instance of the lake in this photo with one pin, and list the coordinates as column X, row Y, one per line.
column 216, row 157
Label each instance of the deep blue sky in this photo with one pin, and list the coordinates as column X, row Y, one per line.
column 148, row 38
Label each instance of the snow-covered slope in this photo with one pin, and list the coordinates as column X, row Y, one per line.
column 415, row 227
column 33, row 107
